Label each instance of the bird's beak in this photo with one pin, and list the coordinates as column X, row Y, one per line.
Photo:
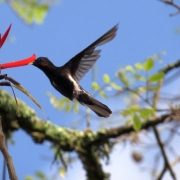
column 31, row 63
column 35, row 62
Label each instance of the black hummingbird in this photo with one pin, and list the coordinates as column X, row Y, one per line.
column 65, row 78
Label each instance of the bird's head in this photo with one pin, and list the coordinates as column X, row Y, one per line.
column 44, row 64
column 41, row 62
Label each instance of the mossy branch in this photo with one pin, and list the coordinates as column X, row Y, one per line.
column 67, row 139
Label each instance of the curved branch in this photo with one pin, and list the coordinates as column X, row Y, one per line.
column 170, row 67
column 67, row 138
column 7, row 157
column 38, row 129
column 105, row 134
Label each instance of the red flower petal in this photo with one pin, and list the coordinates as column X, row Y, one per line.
column 5, row 36
column 18, row 63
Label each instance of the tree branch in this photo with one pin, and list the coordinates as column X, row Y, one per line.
column 67, row 138
column 92, row 165
column 7, row 157
column 170, row 67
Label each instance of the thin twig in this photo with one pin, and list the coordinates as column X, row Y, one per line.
column 4, row 170
column 171, row 3
column 156, row 94
column 136, row 92
column 161, row 145
column 165, row 168
column 7, row 157
column 162, row 173
column 176, row 161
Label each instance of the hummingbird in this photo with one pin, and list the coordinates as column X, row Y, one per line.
column 65, row 79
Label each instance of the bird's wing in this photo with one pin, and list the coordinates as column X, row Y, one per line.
column 83, row 61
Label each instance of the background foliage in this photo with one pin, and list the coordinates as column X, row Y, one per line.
column 143, row 106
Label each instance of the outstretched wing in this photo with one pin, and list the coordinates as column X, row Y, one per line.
column 80, row 64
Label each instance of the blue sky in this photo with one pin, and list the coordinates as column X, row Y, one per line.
column 145, row 28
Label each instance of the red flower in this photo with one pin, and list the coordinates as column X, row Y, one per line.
column 2, row 40
column 18, row 63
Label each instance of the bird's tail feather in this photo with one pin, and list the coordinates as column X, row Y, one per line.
column 100, row 109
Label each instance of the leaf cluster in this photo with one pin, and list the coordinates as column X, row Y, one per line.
column 140, row 82
column 31, row 10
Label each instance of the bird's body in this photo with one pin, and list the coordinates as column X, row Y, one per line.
column 65, row 78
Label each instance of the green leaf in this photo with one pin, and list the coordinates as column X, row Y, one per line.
column 22, row 89
column 123, row 79
column 116, row 87
column 62, row 172
column 156, row 77
column 129, row 120
column 129, row 68
column 54, row 101
column 130, row 111
column 30, row 10
column 102, row 93
column 137, row 76
column 142, row 89
column 149, row 64
column 29, row 18
column 142, row 78
column 61, row 103
column 40, row 13
column 145, row 113
column 145, row 89
column 28, row 178
column 106, row 78
column 95, row 86
column 154, row 88
column 76, row 107
column 40, row 175
column 158, row 57
column 139, row 66
column 68, row 107
column 137, row 123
